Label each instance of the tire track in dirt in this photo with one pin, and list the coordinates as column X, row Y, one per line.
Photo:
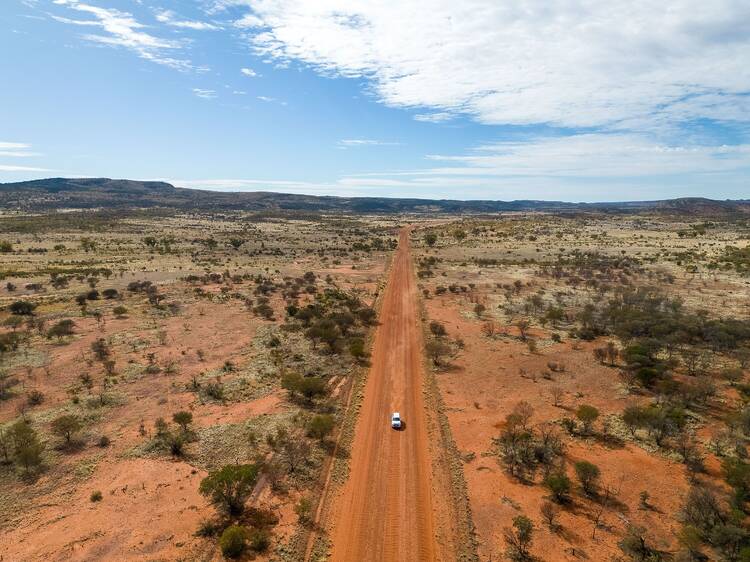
column 388, row 510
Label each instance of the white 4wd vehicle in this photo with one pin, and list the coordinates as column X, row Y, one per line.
column 396, row 420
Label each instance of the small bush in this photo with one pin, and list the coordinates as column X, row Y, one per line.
column 320, row 426
column 588, row 476
column 559, row 485
column 61, row 329
column 259, row 540
column 437, row 329
column 587, row 415
column 233, row 541
column 22, row 308
column 214, row 390
column 208, row 528
column 35, row 397
column 96, row 496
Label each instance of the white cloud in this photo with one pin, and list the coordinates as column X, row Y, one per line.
column 592, row 64
column 248, row 21
column 123, row 30
column 594, row 155
column 204, row 93
column 168, row 17
column 588, row 167
column 18, row 154
column 8, row 168
column 248, row 72
column 437, row 117
column 16, row 150
column 353, row 143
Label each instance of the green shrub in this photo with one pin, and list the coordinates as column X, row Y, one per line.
column 96, row 496
column 66, row 426
column 22, row 308
column 260, row 540
column 588, row 475
column 229, row 487
column 233, row 541
column 320, row 426
column 559, row 485
column 587, row 415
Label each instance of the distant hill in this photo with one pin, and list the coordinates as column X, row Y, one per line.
column 91, row 193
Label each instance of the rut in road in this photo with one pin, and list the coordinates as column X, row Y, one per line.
column 388, row 510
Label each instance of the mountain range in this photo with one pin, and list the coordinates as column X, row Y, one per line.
column 95, row 193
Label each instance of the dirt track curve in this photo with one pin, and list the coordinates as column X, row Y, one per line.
column 387, row 509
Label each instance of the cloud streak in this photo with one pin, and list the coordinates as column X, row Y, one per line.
column 204, row 93
column 18, row 150
column 121, row 29
column 356, row 143
column 168, row 17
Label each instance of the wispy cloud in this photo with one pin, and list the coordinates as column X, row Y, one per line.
column 204, row 93
column 437, row 117
column 168, row 17
column 9, row 168
column 592, row 167
column 269, row 99
column 354, row 143
column 594, row 155
column 121, row 29
column 248, row 72
column 16, row 150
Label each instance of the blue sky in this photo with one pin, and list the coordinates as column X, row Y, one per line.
column 418, row 98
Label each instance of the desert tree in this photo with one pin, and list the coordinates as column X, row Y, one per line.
column 518, row 539
column 66, row 426
column 229, row 487
column 635, row 546
column 320, row 426
column 523, row 326
column 587, row 415
column 588, row 476
column 295, row 453
column 436, row 351
column 183, row 419
column 549, row 512
column 27, row 448
column 558, row 484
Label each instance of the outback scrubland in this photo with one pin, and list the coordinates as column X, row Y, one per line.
column 171, row 384
column 186, row 386
column 593, row 371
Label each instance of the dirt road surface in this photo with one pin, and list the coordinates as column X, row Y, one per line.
column 388, row 510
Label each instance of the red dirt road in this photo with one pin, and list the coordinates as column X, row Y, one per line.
column 386, row 511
